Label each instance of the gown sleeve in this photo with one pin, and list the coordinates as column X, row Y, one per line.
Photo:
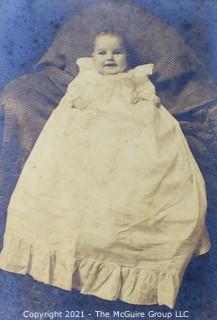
column 144, row 87
column 77, row 89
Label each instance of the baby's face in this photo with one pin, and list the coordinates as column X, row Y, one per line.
column 109, row 55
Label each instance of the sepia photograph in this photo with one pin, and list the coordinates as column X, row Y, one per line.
column 108, row 159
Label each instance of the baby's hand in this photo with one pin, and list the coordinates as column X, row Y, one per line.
column 135, row 99
column 80, row 103
column 138, row 98
column 157, row 102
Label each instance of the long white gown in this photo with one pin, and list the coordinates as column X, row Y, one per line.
column 110, row 200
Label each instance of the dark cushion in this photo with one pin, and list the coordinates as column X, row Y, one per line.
column 182, row 82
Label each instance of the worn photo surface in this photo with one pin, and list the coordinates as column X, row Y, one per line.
column 108, row 173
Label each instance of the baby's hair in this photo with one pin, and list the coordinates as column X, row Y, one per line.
column 118, row 34
column 114, row 33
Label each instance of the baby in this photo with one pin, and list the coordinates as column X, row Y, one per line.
column 110, row 58
column 110, row 201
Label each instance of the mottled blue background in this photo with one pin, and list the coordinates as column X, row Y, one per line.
column 27, row 29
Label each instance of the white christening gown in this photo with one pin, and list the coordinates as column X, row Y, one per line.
column 110, row 200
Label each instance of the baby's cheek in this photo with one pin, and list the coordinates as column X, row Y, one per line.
column 123, row 64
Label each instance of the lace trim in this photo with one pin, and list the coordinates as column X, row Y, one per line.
column 105, row 280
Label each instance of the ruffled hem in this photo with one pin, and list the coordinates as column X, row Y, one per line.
column 106, row 280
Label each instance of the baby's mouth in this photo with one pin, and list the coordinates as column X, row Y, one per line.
column 111, row 64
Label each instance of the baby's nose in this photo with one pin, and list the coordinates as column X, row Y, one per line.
column 110, row 56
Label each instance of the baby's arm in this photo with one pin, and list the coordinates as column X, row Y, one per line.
column 146, row 90
column 75, row 95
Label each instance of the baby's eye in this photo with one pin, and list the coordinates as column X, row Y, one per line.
column 102, row 52
column 118, row 52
